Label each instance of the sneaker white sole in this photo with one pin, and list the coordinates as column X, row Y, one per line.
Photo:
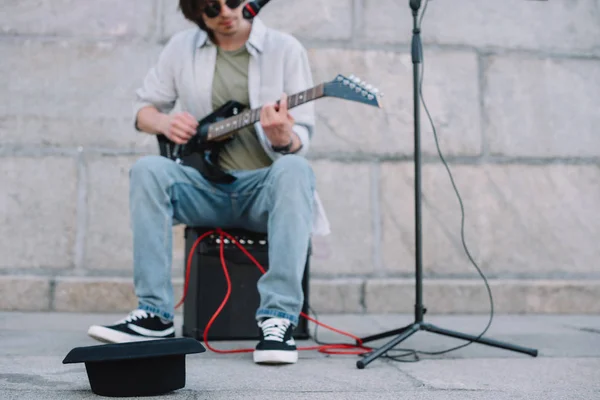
column 108, row 335
column 275, row 356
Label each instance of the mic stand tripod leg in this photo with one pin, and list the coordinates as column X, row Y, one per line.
column 481, row 340
column 408, row 332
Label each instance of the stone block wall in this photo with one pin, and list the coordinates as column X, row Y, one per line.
column 513, row 88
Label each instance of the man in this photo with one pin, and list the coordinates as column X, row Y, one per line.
column 227, row 58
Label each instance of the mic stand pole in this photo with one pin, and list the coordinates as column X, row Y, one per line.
column 419, row 324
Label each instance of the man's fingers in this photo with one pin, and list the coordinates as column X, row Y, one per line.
column 179, row 136
column 283, row 105
column 189, row 118
column 270, row 114
column 191, row 124
column 176, row 139
column 184, row 126
column 263, row 116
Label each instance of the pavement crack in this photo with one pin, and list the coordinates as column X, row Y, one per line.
column 590, row 330
column 582, row 328
column 417, row 383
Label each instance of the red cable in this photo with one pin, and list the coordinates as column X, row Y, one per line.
column 327, row 349
column 189, row 265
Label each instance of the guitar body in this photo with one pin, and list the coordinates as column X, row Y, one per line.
column 199, row 152
column 199, row 142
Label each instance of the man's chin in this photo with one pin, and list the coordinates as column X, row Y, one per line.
column 227, row 32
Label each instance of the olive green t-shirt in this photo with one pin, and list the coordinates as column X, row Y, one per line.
column 230, row 82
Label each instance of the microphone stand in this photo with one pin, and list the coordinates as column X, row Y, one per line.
column 419, row 324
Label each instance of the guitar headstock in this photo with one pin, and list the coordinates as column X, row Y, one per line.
column 353, row 89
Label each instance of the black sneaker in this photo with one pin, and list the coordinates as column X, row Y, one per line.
column 276, row 344
column 137, row 326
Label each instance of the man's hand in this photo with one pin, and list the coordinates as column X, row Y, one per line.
column 179, row 128
column 278, row 122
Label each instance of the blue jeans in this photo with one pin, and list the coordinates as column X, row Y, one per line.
column 277, row 200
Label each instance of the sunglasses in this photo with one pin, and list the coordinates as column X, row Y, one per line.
column 213, row 8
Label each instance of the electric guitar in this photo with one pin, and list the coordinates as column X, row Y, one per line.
column 214, row 130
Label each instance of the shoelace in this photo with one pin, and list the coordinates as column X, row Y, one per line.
column 133, row 316
column 274, row 329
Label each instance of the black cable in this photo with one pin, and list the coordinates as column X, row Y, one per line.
column 415, row 353
column 462, row 209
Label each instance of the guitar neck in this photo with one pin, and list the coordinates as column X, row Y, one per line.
column 227, row 126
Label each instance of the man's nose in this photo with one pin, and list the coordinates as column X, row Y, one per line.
column 225, row 10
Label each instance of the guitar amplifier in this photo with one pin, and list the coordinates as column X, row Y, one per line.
column 207, row 286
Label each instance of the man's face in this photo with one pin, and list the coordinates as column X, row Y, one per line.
column 223, row 17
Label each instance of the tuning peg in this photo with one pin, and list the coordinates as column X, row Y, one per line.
column 351, row 77
column 369, row 87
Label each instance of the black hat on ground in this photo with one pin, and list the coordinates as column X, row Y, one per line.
column 145, row 368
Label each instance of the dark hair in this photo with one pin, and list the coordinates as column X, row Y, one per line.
column 192, row 11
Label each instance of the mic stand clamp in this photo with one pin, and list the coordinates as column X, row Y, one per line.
column 419, row 324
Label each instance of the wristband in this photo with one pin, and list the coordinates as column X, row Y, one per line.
column 284, row 149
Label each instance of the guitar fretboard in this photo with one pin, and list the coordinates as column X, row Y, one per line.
column 248, row 117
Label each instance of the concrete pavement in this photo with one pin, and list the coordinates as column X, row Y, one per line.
column 33, row 345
